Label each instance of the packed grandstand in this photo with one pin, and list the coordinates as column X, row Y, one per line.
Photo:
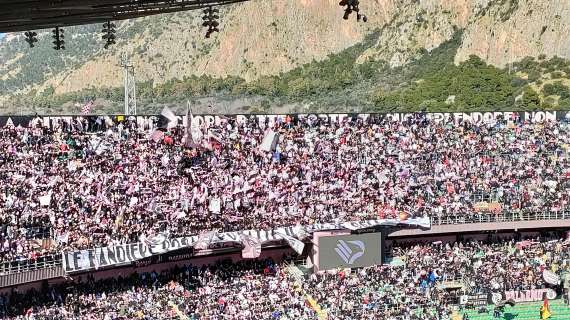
column 121, row 185
column 84, row 183
column 264, row 289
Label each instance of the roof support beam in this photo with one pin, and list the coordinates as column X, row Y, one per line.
column 17, row 15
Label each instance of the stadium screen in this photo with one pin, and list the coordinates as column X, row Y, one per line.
column 348, row 251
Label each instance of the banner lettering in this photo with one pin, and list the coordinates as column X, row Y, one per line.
column 148, row 122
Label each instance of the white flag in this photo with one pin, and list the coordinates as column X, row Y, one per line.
column 269, row 142
column 63, row 238
column 170, row 116
column 295, row 244
column 204, row 240
column 45, row 200
column 215, row 205
column 9, row 123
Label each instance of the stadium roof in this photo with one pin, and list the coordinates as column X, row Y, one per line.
column 24, row 15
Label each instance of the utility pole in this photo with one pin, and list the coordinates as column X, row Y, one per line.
column 130, row 86
column 511, row 57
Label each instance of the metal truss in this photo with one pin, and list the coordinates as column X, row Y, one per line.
column 130, row 86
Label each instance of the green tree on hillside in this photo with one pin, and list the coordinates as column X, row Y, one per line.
column 342, row 82
column 530, row 99
column 556, row 89
column 475, row 85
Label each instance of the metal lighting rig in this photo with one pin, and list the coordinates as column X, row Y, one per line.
column 352, row 6
column 20, row 15
column 210, row 18
column 31, row 38
column 58, row 36
column 109, row 34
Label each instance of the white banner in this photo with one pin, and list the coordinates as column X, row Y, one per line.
column 169, row 119
column 83, row 260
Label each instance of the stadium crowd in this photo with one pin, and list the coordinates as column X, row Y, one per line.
column 122, row 184
column 264, row 289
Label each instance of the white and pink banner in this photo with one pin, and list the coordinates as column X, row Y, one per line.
column 122, row 254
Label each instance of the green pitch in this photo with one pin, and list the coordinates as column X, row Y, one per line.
column 525, row 311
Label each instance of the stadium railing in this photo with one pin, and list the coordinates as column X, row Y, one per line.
column 17, row 266
column 30, row 270
column 501, row 217
column 54, row 262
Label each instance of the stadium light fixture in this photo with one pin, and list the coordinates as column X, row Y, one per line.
column 58, row 36
column 109, row 34
column 31, row 38
column 211, row 17
column 352, row 6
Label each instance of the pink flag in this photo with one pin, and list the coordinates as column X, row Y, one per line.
column 251, row 247
column 87, row 107
column 157, row 135
column 131, row 186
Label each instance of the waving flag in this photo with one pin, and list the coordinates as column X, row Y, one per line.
column 251, row 247
column 167, row 119
column 87, row 107
column 188, row 140
column 295, row 244
column 157, row 135
column 270, row 141
column 545, row 309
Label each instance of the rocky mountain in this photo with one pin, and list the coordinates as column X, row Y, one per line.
column 259, row 39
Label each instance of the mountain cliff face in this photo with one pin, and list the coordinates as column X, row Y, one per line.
column 262, row 38
column 511, row 30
